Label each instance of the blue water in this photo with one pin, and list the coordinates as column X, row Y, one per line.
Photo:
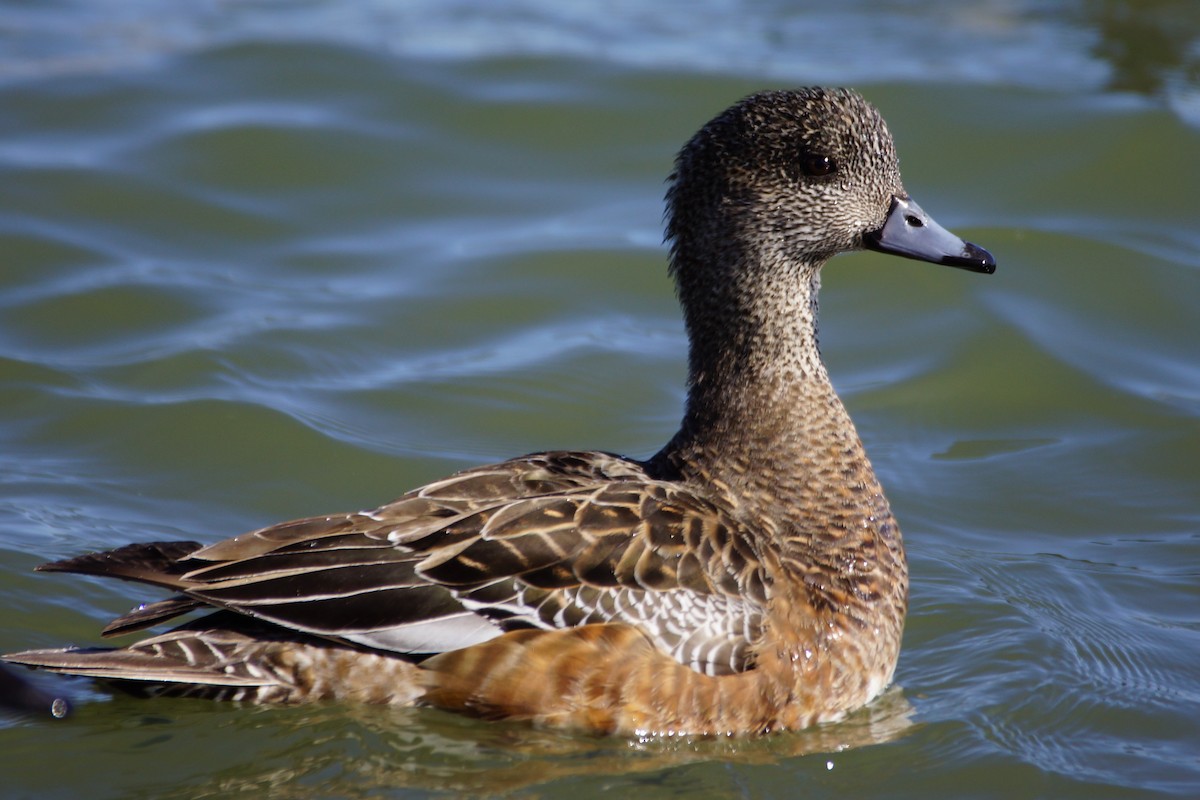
column 266, row 260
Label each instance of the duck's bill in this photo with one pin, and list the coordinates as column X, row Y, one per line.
column 908, row 231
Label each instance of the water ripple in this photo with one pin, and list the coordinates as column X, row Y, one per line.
column 1100, row 660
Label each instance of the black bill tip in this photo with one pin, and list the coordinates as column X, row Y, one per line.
column 973, row 258
column 909, row 232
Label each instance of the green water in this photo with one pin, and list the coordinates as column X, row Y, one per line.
column 263, row 262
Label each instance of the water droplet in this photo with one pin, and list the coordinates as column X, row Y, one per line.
column 60, row 708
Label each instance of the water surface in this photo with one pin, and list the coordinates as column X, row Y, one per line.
column 262, row 262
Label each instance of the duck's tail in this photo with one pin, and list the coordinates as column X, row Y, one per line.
column 218, row 657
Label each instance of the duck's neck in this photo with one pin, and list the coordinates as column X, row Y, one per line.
column 763, row 422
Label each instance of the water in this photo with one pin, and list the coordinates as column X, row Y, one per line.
column 262, row 261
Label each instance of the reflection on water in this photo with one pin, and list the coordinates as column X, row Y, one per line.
column 1151, row 47
column 1148, row 43
column 423, row 749
column 18, row 695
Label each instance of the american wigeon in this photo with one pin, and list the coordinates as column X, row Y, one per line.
column 748, row 577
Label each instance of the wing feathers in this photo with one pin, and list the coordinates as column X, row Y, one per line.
column 550, row 540
column 151, row 562
column 150, row 614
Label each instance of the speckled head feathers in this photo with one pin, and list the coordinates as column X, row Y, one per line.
column 804, row 172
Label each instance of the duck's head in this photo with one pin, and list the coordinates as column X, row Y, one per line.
column 787, row 179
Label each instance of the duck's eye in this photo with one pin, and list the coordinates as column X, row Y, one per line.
column 818, row 165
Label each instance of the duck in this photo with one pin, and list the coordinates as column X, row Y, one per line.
column 749, row 577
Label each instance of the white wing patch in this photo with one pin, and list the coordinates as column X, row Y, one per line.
column 436, row 635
